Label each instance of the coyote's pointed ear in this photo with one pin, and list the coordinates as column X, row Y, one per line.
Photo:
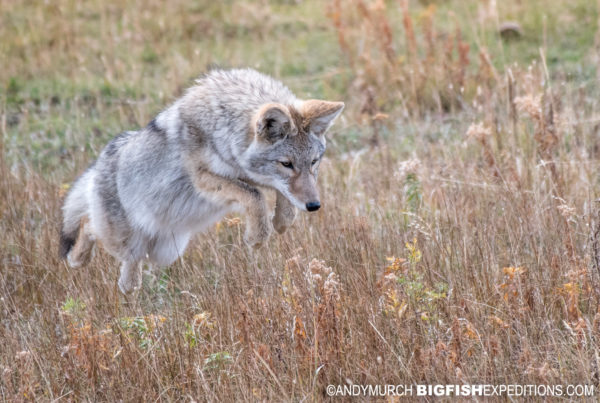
column 274, row 122
column 321, row 114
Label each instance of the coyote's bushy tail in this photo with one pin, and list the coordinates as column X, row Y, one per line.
column 74, row 209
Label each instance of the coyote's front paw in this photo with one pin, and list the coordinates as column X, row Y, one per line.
column 257, row 232
column 282, row 220
column 285, row 213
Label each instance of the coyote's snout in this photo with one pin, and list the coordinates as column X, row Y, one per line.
column 304, row 187
column 206, row 155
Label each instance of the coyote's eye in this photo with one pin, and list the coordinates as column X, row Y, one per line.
column 315, row 161
column 287, row 164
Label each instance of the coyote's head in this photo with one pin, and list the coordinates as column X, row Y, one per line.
column 288, row 142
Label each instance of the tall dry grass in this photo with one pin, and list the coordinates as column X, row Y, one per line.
column 460, row 245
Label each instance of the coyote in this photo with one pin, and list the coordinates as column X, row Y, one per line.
column 206, row 155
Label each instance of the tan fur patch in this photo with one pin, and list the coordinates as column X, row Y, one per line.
column 301, row 123
column 235, row 190
column 313, row 109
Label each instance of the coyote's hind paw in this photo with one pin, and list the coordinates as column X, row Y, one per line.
column 130, row 279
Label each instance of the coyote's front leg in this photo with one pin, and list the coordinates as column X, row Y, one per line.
column 258, row 226
column 285, row 213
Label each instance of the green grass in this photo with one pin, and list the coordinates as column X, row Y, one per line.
column 76, row 75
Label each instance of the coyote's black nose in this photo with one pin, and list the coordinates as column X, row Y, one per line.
column 313, row 206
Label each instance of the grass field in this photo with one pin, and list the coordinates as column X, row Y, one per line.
column 458, row 239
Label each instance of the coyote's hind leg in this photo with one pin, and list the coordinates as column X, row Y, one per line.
column 81, row 253
column 130, row 279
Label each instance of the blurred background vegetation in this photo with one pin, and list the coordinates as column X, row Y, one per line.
column 77, row 73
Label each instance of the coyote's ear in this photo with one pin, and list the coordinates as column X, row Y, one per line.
column 321, row 114
column 274, row 122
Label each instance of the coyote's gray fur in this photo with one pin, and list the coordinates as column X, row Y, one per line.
column 204, row 156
